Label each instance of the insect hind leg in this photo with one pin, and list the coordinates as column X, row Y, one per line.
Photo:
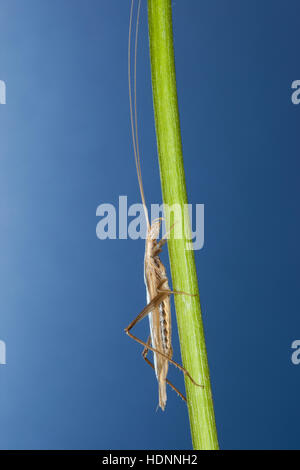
column 154, row 303
column 144, row 354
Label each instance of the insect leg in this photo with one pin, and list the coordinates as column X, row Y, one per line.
column 144, row 354
column 163, row 240
column 175, row 292
column 154, row 304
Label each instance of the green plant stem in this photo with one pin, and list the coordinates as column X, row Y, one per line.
column 182, row 262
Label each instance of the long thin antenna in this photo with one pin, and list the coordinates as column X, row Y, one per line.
column 134, row 121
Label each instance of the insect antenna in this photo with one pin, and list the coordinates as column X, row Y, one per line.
column 133, row 117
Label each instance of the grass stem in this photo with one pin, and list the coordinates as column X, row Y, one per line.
column 182, row 262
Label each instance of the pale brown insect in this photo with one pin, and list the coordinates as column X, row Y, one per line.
column 158, row 291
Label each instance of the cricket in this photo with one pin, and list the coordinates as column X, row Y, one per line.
column 158, row 307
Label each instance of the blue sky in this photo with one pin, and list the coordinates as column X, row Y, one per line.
column 73, row 379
